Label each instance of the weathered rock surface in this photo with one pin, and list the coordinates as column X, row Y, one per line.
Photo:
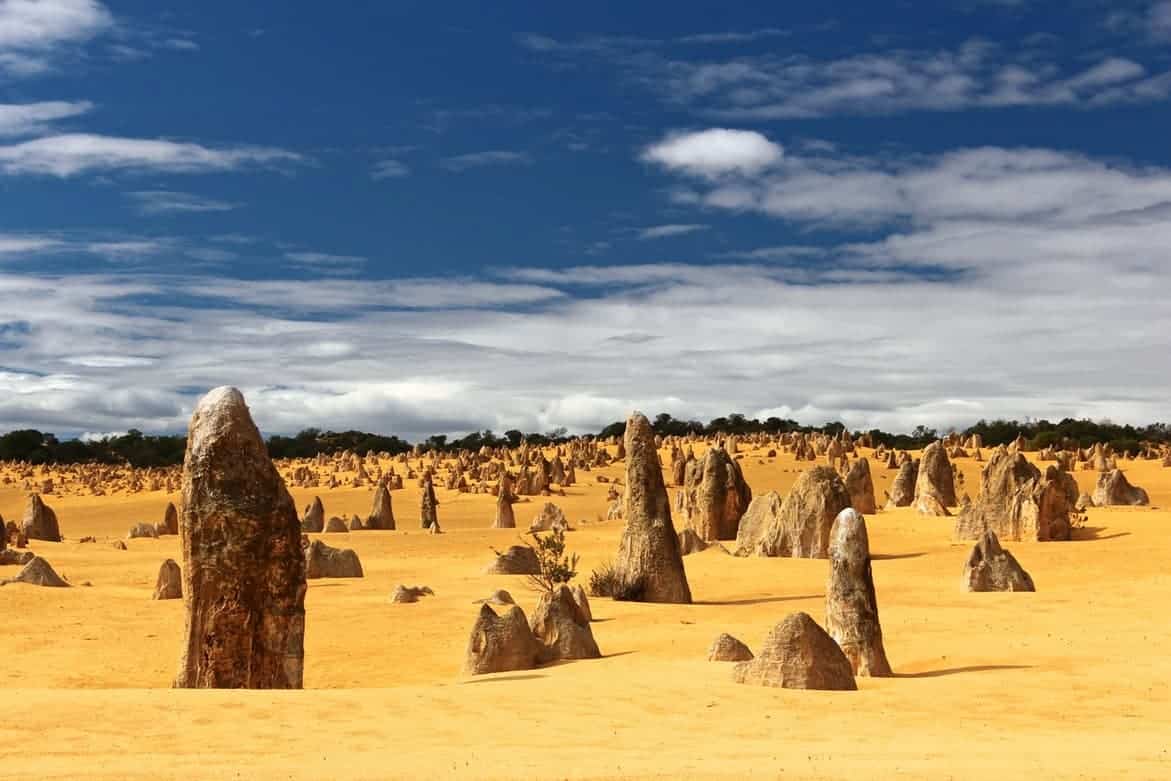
column 902, row 490
column 561, row 628
column 549, row 518
column 517, row 560
column 935, row 476
column 715, row 495
column 726, row 648
column 243, row 566
column 38, row 572
column 169, row 584
column 992, row 568
column 1114, row 489
column 851, row 608
column 798, row 654
column 142, row 531
column 410, row 594
column 807, row 514
column 39, row 521
column 313, row 521
column 322, row 561
column 860, row 486
column 648, row 567
column 1017, row 502
column 500, row 643
column 381, row 517
column 762, row 514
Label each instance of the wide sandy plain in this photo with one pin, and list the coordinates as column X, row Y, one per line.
column 1073, row 681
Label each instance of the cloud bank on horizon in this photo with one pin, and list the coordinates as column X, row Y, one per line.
column 824, row 216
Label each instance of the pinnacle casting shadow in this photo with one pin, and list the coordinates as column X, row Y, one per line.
column 895, row 556
column 759, row 600
column 483, row 679
column 976, row 668
column 1087, row 533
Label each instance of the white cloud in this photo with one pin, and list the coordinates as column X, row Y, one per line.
column 78, row 153
column 666, row 231
column 24, row 119
column 714, row 152
column 460, row 163
column 389, row 169
column 32, row 32
column 153, row 202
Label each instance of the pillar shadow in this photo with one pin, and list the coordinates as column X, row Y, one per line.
column 977, row 668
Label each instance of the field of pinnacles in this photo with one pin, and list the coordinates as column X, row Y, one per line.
column 923, row 650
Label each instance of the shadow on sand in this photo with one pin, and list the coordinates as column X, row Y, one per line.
column 480, row 679
column 760, row 600
column 1095, row 533
column 895, row 556
column 978, row 668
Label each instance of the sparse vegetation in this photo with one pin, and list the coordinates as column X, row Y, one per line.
column 603, row 580
column 557, row 567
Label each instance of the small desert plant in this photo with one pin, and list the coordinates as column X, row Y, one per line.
column 557, row 567
column 603, row 580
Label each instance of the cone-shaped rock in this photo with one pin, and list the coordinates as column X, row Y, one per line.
column 851, row 609
column 648, row 567
column 763, row 514
column 428, row 504
column 1112, row 489
column 935, row 476
column 500, row 643
column 517, row 560
column 38, row 572
column 505, row 517
column 861, row 487
column 902, row 490
column 562, row 628
column 171, row 519
column 381, row 513
column 169, row 584
column 798, row 654
column 314, row 518
column 40, row 522
column 726, row 648
column 715, row 495
column 243, row 566
column 801, row 531
column 992, row 568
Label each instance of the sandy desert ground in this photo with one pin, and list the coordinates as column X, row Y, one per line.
column 1068, row 682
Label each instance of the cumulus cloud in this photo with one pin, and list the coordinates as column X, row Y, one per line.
column 32, row 32
column 73, row 154
column 714, row 152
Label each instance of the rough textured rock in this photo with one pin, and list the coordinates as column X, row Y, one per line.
column 505, row 517
column 860, row 486
column 715, row 495
column 169, row 584
column 410, row 594
column 322, row 561
column 802, row 528
column 583, row 601
column 243, row 566
column 935, row 476
column 690, row 542
column 929, row 504
column 170, row 519
column 726, row 648
column 517, row 560
column 902, row 490
column 648, row 567
column 40, row 522
column 549, row 518
column 313, row 520
column 798, row 654
column 761, row 515
column 498, row 597
column 38, row 572
column 992, row 568
column 1114, row 489
column 11, row 556
column 1017, row 502
column 561, row 628
column 500, row 643
column 336, row 525
column 381, row 516
column 142, row 531
column 428, row 504
column 851, row 609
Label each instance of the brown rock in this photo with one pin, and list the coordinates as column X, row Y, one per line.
column 715, row 495
column 40, row 522
column 861, row 487
column 169, row 584
column 37, row 572
column 1114, row 489
column 803, row 527
column 561, row 628
column 902, row 490
column 500, row 643
column 313, row 521
column 798, row 654
column 762, row 514
column 726, row 648
column 935, row 476
column 243, row 567
column 410, row 594
column 992, row 568
column 381, row 512
column 648, row 567
column 322, row 561
column 851, row 609
column 517, row 560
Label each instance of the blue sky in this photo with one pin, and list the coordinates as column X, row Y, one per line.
column 422, row 217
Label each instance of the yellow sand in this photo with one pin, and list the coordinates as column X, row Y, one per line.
column 1070, row 682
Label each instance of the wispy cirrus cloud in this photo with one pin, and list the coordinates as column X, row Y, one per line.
column 25, row 119
column 153, row 202
column 667, row 231
column 73, row 154
column 491, row 157
column 389, row 169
